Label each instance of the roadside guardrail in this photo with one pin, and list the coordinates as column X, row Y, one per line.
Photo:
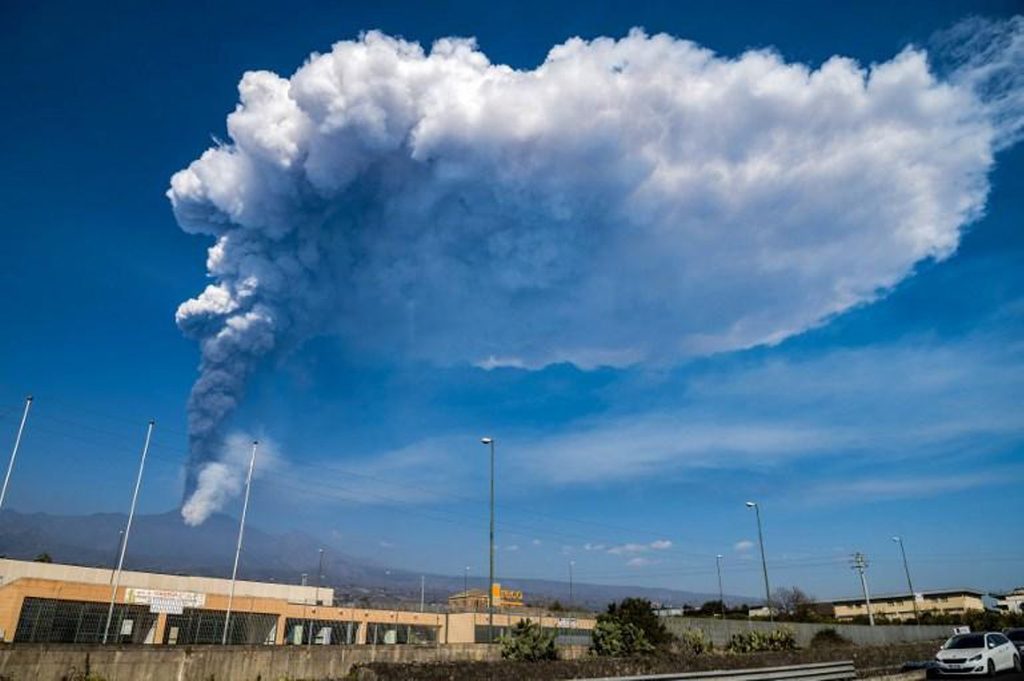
column 819, row 671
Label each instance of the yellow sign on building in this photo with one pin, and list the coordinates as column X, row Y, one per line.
column 506, row 597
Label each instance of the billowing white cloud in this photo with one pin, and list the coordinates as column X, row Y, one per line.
column 627, row 201
column 223, row 479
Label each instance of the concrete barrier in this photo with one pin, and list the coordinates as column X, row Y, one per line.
column 69, row 662
column 720, row 631
column 819, row 671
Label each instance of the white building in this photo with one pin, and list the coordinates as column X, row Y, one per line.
column 1012, row 601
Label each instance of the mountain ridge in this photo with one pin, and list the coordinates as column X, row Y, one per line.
column 157, row 542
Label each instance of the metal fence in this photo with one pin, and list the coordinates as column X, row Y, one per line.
column 322, row 632
column 199, row 626
column 564, row 636
column 49, row 620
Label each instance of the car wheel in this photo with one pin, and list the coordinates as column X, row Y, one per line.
column 991, row 669
column 1016, row 664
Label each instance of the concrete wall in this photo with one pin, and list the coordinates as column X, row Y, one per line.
column 720, row 631
column 43, row 662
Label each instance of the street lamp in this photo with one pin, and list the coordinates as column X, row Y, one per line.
column 910, row 584
column 489, row 442
column 721, row 593
column 764, row 563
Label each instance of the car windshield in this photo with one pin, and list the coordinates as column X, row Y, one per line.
column 966, row 641
column 1016, row 635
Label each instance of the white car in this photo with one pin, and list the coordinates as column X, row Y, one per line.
column 977, row 653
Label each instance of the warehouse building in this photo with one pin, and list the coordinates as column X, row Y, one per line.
column 900, row 607
column 53, row 603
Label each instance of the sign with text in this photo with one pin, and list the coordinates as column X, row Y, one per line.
column 165, row 600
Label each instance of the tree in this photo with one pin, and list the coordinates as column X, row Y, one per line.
column 43, row 557
column 640, row 613
column 793, row 602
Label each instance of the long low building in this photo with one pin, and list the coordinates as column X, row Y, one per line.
column 901, row 606
column 54, row 603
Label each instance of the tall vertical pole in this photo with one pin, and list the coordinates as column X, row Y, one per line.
column 14, row 452
column 307, row 625
column 490, row 585
column 910, row 584
column 316, row 596
column 238, row 548
column 127, row 530
column 571, row 563
column 465, row 584
column 860, row 564
column 721, row 592
column 117, row 552
column 423, row 593
column 764, row 562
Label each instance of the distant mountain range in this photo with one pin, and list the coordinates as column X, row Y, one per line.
column 163, row 543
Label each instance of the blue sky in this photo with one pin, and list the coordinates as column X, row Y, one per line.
column 899, row 414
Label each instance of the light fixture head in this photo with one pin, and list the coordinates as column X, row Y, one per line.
column 751, row 504
column 896, row 539
column 486, row 440
column 719, row 556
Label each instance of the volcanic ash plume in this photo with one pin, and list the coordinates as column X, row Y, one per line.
column 633, row 200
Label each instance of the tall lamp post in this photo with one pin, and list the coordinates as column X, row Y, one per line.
column 910, row 584
column 764, row 563
column 571, row 563
column 489, row 442
column 721, row 592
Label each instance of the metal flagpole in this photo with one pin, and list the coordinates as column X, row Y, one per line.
column 238, row 548
column 127, row 530
column 14, row 452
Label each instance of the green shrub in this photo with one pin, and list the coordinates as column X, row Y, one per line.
column 757, row 641
column 528, row 642
column 640, row 613
column 612, row 638
column 829, row 638
column 695, row 642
